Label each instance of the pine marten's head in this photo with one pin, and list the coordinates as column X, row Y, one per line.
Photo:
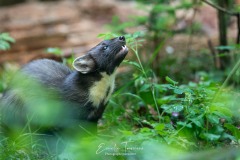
column 104, row 57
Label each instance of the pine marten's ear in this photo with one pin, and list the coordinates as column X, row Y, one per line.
column 84, row 64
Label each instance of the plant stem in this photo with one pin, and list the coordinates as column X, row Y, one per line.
column 181, row 129
column 139, row 60
column 145, row 75
column 237, row 65
column 155, row 102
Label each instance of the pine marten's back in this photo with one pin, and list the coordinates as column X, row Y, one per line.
column 47, row 72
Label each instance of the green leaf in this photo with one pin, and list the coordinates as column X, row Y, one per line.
column 192, row 84
column 225, row 111
column 101, row 35
column 138, row 34
column 210, row 137
column 126, row 133
column 132, row 95
column 159, row 87
column 171, row 81
column 217, row 129
column 213, row 118
column 188, row 125
column 168, row 86
column 221, row 115
column 107, row 36
column 147, row 97
column 234, row 130
column 141, row 19
column 4, row 45
column 159, row 127
column 172, row 108
column 145, row 129
column 198, row 121
column 163, row 8
column 6, row 37
column 114, row 104
column 165, row 99
column 135, row 64
column 225, row 47
column 56, row 51
column 145, row 87
column 178, row 91
column 228, row 136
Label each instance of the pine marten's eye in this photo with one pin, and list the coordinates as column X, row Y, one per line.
column 105, row 47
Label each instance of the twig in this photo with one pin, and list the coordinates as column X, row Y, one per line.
column 214, row 54
column 191, row 31
column 220, row 8
column 238, row 25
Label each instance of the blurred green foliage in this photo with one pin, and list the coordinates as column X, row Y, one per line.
column 191, row 117
column 5, row 40
column 175, row 109
column 142, row 114
column 159, row 26
column 57, row 51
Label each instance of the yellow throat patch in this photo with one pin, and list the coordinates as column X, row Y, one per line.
column 99, row 91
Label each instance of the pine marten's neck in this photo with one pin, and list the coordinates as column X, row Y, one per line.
column 99, row 86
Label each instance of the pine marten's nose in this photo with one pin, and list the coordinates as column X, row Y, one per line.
column 121, row 38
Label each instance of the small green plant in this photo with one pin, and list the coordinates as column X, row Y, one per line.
column 57, row 51
column 192, row 116
column 159, row 24
column 5, row 40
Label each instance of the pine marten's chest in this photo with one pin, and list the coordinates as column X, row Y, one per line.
column 100, row 91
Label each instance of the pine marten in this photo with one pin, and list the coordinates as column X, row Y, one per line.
column 69, row 96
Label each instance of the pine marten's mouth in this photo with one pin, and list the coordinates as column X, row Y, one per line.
column 123, row 51
column 124, row 47
column 121, row 54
